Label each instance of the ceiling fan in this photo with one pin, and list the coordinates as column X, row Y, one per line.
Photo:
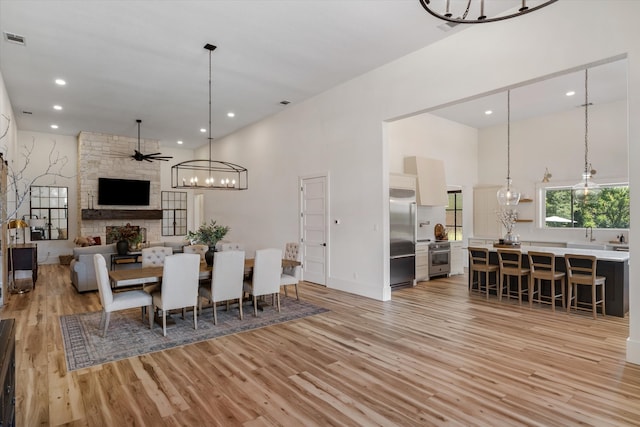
column 138, row 156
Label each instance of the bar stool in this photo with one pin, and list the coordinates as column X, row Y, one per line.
column 543, row 267
column 511, row 266
column 581, row 270
column 479, row 264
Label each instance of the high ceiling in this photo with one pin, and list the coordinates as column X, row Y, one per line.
column 128, row 60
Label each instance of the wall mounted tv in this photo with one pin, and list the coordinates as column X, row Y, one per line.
column 123, row 192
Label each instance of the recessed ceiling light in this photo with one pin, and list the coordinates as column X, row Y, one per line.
column 203, row 130
column 57, row 107
column 231, row 114
column 488, row 112
column 179, row 142
column 54, row 126
column 60, row 82
column 571, row 93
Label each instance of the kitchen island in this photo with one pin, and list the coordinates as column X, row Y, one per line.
column 613, row 265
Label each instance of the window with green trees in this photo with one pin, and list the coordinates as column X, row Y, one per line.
column 608, row 209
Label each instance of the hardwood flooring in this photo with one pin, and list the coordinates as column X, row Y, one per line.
column 434, row 355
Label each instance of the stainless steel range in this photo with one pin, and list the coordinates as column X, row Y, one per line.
column 439, row 259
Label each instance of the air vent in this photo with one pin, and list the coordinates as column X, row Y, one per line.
column 14, row 38
column 27, row 112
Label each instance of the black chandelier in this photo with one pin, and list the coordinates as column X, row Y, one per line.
column 209, row 174
column 442, row 9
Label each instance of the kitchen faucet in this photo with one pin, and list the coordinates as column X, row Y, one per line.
column 588, row 232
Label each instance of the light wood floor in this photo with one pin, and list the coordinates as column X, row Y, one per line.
column 432, row 356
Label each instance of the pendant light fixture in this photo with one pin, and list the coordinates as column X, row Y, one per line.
column 209, row 174
column 508, row 195
column 586, row 187
column 473, row 7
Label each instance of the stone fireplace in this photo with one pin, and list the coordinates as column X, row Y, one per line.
column 108, row 156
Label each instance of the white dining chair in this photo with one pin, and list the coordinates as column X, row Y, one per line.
column 266, row 276
column 154, row 257
column 119, row 301
column 226, row 281
column 291, row 275
column 196, row 249
column 179, row 287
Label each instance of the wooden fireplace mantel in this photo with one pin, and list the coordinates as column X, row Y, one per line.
column 100, row 214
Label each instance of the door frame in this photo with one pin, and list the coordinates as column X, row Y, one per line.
column 327, row 209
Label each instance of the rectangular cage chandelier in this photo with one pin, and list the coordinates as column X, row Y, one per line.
column 209, row 174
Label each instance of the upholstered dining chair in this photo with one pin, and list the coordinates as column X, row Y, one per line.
column 196, row 249
column 266, row 276
column 179, row 288
column 226, row 281
column 291, row 275
column 154, row 257
column 119, row 301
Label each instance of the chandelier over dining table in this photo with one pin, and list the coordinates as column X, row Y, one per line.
column 208, row 174
column 477, row 11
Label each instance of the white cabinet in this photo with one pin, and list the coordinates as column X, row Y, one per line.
column 457, row 261
column 422, row 262
column 485, row 207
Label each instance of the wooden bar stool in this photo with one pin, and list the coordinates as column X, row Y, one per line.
column 543, row 267
column 511, row 266
column 479, row 265
column 581, row 270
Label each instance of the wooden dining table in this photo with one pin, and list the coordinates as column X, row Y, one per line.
column 139, row 276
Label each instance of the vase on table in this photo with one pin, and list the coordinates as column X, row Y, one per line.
column 208, row 256
column 122, row 247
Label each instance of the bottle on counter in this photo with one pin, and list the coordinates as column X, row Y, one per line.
column 622, row 238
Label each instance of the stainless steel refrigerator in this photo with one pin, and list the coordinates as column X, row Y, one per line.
column 402, row 235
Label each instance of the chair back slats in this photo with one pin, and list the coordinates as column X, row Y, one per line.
column 478, row 256
column 580, row 267
column 542, row 262
column 510, row 259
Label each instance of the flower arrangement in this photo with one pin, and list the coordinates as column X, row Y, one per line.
column 130, row 233
column 208, row 234
column 508, row 219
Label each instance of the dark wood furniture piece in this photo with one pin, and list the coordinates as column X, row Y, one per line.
column 130, row 258
column 7, row 373
column 24, row 257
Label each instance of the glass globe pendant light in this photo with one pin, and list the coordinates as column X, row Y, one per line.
column 586, row 187
column 508, row 195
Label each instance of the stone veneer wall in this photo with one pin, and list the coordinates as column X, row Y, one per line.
column 107, row 156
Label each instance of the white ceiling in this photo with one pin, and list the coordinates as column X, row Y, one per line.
column 128, row 60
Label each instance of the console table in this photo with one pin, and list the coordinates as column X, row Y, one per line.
column 24, row 257
column 130, row 258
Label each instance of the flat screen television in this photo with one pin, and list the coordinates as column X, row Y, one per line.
column 123, row 192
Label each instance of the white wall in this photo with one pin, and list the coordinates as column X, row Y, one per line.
column 341, row 132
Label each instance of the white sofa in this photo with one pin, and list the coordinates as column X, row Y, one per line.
column 82, row 271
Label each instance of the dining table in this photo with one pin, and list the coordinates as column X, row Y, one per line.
column 145, row 275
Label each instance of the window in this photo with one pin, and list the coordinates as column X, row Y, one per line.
column 174, row 213
column 608, row 209
column 454, row 215
column 48, row 213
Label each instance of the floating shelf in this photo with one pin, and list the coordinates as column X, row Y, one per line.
column 100, row 214
column 526, row 200
column 524, row 220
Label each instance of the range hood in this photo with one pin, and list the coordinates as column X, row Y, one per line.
column 431, row 182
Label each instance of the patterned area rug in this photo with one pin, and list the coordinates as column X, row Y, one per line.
column 128, row 336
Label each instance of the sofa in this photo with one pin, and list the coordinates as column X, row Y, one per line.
column 82, row 271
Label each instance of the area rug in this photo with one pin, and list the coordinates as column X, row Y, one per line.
column 128, row 336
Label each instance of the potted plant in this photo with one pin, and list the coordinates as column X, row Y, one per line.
column 208, row 234
column 125, row 237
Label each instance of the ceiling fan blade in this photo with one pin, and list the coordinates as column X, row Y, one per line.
column 150, row 161
column 152, row 154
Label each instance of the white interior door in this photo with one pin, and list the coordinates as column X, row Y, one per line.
column 314, row 213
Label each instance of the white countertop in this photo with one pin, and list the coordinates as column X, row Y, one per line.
column 599, row 254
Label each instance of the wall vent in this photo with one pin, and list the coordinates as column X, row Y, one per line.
column 14, row 38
